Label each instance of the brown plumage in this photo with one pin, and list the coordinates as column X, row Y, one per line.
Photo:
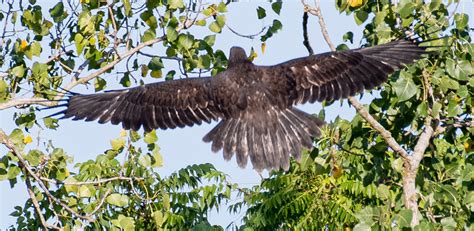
column 254, row 103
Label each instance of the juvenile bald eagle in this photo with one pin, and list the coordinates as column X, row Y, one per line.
column 255, row 104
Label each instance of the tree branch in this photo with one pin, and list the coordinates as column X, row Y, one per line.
column 29, row 188
column 387, row 136
column 26, row 101
column 57, row 182
column 10, row 145
column 85, row 79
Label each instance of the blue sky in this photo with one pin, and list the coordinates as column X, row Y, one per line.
column 183, row 147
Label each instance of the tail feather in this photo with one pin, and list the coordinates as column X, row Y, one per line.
column 268, row 140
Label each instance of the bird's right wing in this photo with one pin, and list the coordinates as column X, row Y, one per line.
column 167, row 104
column 335, row 75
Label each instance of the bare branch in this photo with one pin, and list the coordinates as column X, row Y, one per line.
column 305, row 34
column 251, row 36
column 316, row 11
column 387, row 136
column 26, row 101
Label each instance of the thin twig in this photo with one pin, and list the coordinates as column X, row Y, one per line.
column 106, row 194
column 305, row 34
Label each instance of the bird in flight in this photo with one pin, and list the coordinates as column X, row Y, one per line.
column 254, row 104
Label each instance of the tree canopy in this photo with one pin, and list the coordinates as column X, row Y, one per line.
column 405, row 160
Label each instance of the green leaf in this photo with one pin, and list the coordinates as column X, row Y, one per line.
column 148, row 35
column 407, row 10
column 57, row 12
column 126, row 223
column 349, row 36
column 171, row 34
column 203, row 226
column 367, row 215
column 99, row 84
column 79, row 41
column 403, row 218
column 186, row 41
column 220, row 19
column 201, row 22
column 434, row 5
column 85, row 191
column 222, row 7
column 71, row 187
column 150, row 137
column 117, row 144
column 50, row 123
column 261, row 13
column 214, row 27
column 461, row 20
column 155, row 64
column 117, row 199
column 360, row 17
column 175, row 4
column 144, row 160
column 13, row 171
column 85, row 22
column 362, row 227
column 149, row 19
column 210, row 40
column 170, row 75
column 468, row 200
column 34, row 50
column 128, row 7
column 18, row 71
column 16, row 136
column 125, row 80
column 405, row 88
column 276, row 6
column 157, row 160
column 449, row 223
column 397, row 165
column 156, row 73
column 158, row 218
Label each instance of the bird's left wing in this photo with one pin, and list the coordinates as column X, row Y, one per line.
column 168, row 104
column 335, row 75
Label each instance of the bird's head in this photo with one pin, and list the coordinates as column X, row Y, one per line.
column 237, row 55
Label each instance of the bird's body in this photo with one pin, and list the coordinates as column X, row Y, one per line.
column 255, row 104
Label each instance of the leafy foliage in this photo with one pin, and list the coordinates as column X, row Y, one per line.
column 83, row 41
column 352, row 178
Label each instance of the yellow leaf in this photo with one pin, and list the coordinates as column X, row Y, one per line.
column 23, row 45
column 355, row 3
column 253, row 55
column 123, row 133
column 264, row 46
column 337, row 171
column 469, row 145
column 27, row 139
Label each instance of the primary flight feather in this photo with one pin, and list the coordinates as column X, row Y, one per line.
column 255, row 104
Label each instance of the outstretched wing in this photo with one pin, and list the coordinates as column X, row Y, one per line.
column 167, row 104
column 335, row 75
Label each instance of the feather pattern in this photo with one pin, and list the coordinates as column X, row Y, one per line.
column 253, row 103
